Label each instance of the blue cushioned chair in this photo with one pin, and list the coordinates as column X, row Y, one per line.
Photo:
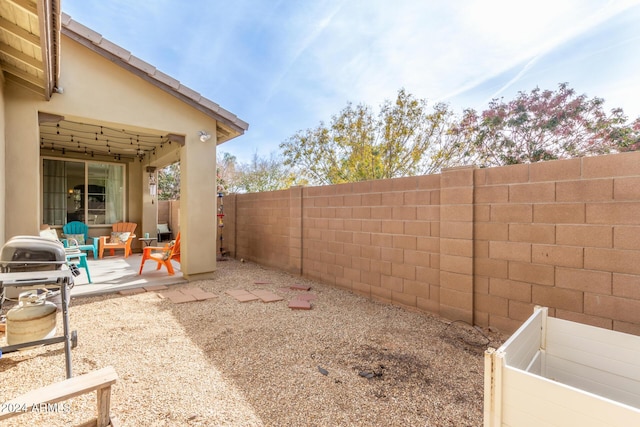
column 75, row 229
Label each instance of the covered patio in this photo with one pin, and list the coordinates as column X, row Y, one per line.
column 87, row 125
column 115, row 274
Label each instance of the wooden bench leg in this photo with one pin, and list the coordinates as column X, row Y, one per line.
column 104, row 403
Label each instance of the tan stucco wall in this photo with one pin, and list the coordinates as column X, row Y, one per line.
column 98, row 91
column 22, row 212
column 2, row 162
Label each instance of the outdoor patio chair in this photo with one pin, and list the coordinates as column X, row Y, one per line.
column 122, row 234
column 79, row 231
column 163, row 255
column 164, row 233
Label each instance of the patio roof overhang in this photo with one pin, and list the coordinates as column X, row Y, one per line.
column 67, row 136
column 228, row 125
column 30, row 44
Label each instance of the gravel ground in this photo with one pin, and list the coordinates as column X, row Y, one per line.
column 346, row 362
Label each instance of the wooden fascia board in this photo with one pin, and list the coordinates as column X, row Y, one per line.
column 25, row 5
column 10, row 69
column 38, row 89
column 19, row 32
column 49, row 14
column 21, row 56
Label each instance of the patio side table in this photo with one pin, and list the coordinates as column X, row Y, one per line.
column 146, row 241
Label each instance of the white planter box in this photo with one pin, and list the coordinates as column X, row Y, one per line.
column 553, row 372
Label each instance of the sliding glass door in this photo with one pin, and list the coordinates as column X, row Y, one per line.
column 89, row 192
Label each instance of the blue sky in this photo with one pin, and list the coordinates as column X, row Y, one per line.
column 286, row 65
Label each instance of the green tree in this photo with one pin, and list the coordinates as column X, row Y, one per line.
column 169, row 182
column 225, row 170
column 544, row 125
column 404, row 138
column 260, row 174
column 264, row 174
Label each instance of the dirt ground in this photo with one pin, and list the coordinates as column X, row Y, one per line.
column 347, row 361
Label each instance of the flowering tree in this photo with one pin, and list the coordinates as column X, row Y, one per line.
column 545, row 125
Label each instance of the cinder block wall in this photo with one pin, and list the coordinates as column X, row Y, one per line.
column 376, row 238
column 563, row 234
column 169, row 213
column 481, row 245
column 261, row 227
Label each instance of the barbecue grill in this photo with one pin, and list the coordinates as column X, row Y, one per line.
column 34, row 262
column 29, row 253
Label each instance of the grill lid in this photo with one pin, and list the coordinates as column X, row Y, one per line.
column 32, row 249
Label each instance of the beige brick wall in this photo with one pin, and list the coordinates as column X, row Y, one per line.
column 481, row 245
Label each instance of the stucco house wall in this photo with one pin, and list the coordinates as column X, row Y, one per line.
column 3, row 195
column 99, row 91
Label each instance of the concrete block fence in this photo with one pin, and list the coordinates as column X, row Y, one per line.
column 480, row 245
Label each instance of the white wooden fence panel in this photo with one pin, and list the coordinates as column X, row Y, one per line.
column 597, row 360
column 530, row 400
column 599, row 348
column 523, row 345
column 535, row 366
column 596, row 381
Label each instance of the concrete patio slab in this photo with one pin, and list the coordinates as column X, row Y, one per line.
column 114, row 274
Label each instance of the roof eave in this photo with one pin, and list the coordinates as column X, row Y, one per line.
column 149, row 73
column 49, row 12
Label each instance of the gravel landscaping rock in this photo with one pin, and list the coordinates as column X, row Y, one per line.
column 347, row 361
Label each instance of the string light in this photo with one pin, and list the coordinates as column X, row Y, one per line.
column 85, row 139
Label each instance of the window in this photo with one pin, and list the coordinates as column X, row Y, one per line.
column 89, row 192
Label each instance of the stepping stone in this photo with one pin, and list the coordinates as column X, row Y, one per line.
column 306, row 297
column 132, row 291
column 155, row 288
column 298, row 304
column 234, row 292
column 201, row 296
column 198, row 293
column 178, row 297
column 266, row 296
column 246, row 298
column 242, row 295
column 298, row 287
column 190, row 291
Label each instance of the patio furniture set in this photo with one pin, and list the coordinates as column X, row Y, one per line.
column 78, row 244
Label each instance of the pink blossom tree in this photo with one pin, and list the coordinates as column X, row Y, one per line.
column 545, row 125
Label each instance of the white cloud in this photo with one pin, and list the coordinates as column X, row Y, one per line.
column 284, row 66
